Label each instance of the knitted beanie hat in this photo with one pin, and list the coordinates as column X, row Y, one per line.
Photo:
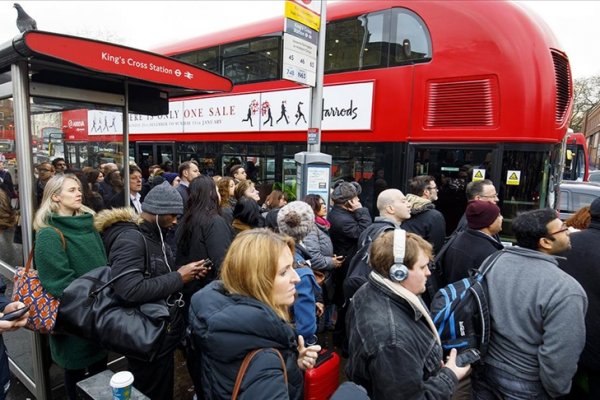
column 163, row 199
column 481, row 214
column 345, row 191
column 170, row 176
column 296, row 219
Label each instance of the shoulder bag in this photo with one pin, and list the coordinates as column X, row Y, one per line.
column 246, row 364
column 90, row 308
column 43, row 307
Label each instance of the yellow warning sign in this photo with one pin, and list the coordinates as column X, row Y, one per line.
column 513, row 177
column 304, row 16
column 478, row 174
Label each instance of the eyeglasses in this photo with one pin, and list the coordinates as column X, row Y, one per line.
column 564, row 228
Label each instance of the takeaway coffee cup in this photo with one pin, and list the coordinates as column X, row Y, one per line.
column 121, row 384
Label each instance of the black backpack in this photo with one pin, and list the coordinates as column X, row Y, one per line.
column 359, row 267
column 461, row 313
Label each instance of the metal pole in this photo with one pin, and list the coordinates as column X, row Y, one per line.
column 126, row 145
column 317, row 91
column 20, row 81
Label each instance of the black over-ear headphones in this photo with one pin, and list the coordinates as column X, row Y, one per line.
column 399, row 271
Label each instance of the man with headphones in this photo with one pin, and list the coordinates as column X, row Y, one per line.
column 395, row 351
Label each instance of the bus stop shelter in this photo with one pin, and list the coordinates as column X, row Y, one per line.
column 44, row 78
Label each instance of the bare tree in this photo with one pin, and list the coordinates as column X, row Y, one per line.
column 586, row 96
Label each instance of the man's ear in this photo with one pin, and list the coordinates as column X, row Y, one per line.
column 545, row 243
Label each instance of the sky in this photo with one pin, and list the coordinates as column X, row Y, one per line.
column 149, row 24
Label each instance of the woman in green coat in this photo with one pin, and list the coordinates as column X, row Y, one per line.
column 62, row 212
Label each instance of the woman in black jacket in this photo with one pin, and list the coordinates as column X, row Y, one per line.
column 248, row 310
column 203, row 232
column 398, row 356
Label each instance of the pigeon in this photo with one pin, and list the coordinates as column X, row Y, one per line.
column 24, row 21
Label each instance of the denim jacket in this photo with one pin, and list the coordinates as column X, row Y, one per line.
column 393, row 352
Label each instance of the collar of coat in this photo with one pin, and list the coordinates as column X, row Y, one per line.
column 107, row 218
column 412, row 299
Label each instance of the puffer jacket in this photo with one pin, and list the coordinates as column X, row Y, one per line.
column 129, row 252
column 224, row 328
column 395, row 356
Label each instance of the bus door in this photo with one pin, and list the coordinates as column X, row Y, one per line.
column 151, row 153
column 452, row 169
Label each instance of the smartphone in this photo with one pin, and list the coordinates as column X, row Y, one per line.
column 208, row 263
column 14, row 315
column 468, row 356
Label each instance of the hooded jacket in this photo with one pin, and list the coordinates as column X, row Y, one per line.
column 224, row 328
column 426, row 221
column 156, row 279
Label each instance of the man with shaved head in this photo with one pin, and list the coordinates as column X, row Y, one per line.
column 393, row 210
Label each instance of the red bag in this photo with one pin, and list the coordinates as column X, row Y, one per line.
column 321, row 381
column 43, row 307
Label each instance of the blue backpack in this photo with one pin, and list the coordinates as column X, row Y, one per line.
column 461, row 313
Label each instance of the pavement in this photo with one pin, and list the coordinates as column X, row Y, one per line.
column 184, row 388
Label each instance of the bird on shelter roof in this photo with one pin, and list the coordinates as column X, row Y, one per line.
column 24, row 21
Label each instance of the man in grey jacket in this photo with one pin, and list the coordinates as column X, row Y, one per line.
column 537, row 313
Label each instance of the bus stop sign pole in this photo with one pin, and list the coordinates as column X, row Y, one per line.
column 313, row 167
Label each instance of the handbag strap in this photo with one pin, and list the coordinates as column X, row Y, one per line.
column 244, row 367
column 131, row 271
column 31, row 252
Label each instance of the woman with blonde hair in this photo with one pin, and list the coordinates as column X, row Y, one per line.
column 66, row 247
column 248, row 310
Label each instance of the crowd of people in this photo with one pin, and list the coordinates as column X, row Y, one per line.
column 242, row 274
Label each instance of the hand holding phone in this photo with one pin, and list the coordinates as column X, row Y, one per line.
column 208, row 264
column 16, row 314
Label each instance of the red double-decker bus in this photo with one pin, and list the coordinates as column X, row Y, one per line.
column 456, row 89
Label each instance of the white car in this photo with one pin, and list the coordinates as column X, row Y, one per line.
column 574, row 195
column 594, row 176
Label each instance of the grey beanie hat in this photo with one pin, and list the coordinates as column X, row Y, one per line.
column 345, row 191
column 296, row 219
column 163, row 199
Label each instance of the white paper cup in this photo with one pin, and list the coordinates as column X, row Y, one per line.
column 121, row 384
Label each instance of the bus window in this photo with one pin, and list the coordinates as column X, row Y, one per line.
column 252, row 61
column 206, row 58
column 357, row 43
column 410, row 40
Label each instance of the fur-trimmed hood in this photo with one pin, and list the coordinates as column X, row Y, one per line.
column 111, row 223
column 107, row 218
column 418, row 204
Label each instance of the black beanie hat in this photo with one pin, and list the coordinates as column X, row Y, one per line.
column 481, row 214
